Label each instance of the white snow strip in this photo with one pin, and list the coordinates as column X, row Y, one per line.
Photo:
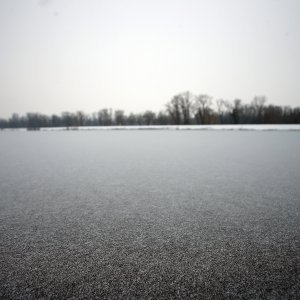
column 184, row 127
column 275, row 127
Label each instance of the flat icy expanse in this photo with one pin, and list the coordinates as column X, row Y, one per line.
column 150, row 214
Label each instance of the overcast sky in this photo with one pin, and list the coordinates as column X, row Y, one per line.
column 68, row 55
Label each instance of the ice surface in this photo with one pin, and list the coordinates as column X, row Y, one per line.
column 150, row 215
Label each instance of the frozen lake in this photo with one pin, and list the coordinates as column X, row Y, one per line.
column 141, row 214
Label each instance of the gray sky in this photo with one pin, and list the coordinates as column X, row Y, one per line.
column 66, row 55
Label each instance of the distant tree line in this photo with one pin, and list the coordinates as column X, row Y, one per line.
column 182, row 109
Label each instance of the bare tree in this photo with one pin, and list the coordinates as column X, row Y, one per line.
column 163, row 118
column 258, row 107
column 221, row 106
column 173, row 108
column 105, row 117
column 132, row 119
column 202, row 107
column 237, row 111
column 3, row 124
column 80, row 117
column 149, row 117
column 185, row 102
column 119, row 117
column 67, row 119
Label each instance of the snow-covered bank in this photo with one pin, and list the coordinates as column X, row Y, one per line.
column 275, row 127
column 184, row 127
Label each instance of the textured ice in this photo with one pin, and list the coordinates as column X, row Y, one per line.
column 150, row 215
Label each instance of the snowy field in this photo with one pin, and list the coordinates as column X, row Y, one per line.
column 186, row 127
column 161, row 214
column 271, row 127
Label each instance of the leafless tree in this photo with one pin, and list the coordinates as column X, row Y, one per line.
column 202, row 108
column 119, row 117
column 185, row 100
column 149, row 117
column 173, row 108
column 258, row 104
column 80, row 118
column 105, row 117
column 221, row 106
column 237, row 110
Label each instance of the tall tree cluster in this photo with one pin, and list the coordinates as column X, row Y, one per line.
column 183, row 109
column 186, row 108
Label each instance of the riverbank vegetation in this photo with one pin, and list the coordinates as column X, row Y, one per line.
column 182, row 109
